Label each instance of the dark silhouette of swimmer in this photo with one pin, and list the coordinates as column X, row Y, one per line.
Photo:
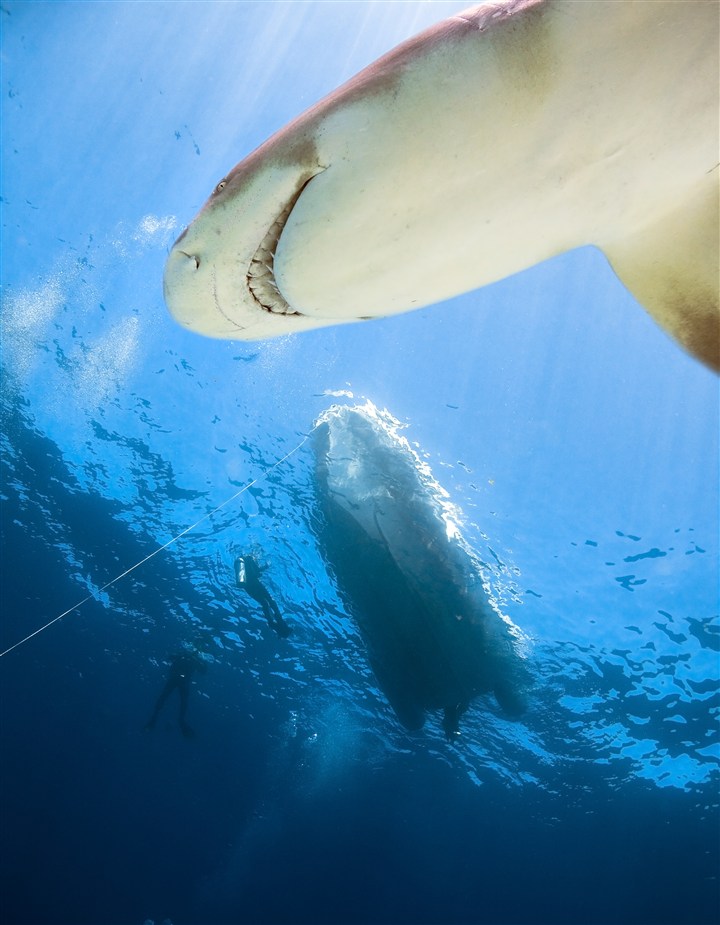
column 247, row 576
column 179, row 678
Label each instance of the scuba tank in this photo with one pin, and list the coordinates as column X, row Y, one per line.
column 246, row 570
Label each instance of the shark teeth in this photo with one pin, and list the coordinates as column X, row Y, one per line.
column 261, row 272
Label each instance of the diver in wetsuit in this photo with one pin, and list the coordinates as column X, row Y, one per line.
column 451, row 719
column 247, row 576
column 179, row 678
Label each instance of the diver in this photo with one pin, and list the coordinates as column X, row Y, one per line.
column 451, row 719
column 247, row 576
column 182, row 666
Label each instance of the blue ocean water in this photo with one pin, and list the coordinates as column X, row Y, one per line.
column 577, row 442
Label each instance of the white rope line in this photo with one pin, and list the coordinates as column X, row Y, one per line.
column 160, row 548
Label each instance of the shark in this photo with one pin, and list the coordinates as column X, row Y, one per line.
column 496, row 139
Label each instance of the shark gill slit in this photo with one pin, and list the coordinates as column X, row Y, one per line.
column 261, row 272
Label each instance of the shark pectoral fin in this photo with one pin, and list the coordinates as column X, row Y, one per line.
column 671, row 266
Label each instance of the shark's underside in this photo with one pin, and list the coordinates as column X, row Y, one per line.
column 494, row 140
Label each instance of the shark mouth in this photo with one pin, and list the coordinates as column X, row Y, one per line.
column 261, row 273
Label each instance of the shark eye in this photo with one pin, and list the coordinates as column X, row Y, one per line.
column 221, row 186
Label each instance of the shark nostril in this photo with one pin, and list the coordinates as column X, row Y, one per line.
column 196, row 260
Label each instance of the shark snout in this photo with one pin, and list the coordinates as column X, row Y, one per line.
column 180, row 282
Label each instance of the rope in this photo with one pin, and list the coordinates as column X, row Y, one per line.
column 160, row 548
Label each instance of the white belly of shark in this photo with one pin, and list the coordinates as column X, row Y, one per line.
column 434, row 637
column 505, row 135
